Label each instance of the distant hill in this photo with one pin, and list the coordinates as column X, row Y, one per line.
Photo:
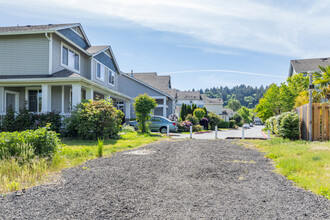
column 248, row 96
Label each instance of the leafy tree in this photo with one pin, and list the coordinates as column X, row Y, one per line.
column 189, row 110
column 237, row 117
column 183, row 112
column 322, row 79
column 143, row 106
column 303, row 98
column 269, row 105
column 234, row 105
column 205, row 110
column 246, row 114
column 199, row 113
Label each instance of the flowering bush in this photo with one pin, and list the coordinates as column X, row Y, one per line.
column 197, row 128
column 214, row 120
column 192, row 119
column 52, row 118
column 204, row 122
column 94, row 119
column 184, row 126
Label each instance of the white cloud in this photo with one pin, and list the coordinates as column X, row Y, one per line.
column 299, row 28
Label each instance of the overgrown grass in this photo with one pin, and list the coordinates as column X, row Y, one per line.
column 15, row 176
column 305, row 163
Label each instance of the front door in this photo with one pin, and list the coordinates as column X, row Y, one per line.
column 11, row 101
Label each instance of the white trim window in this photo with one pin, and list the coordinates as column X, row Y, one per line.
column 120, row 106
column 70, row 58
column 34, row 98
column 111, row 77
column 100, row 69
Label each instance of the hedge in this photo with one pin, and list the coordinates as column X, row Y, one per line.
column 285, row 125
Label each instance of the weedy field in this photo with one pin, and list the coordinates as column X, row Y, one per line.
column 305, row 163
column 16, row 175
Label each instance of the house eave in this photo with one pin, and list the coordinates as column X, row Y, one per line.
column 62, row 80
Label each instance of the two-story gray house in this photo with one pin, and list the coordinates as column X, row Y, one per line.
column 53, row 67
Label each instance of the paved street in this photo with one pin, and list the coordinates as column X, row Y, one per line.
column 254, row 132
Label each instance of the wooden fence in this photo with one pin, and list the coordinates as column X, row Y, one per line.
column 320, row 121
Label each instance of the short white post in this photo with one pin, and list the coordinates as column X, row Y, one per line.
column 216, row 132
column 168, row 130
column 243, row 133
column 190, row 132
column 268, row 134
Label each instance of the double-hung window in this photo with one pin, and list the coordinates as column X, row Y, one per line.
column 34, row 100
column 70, row 58
column 111, row 77
column 100, row 71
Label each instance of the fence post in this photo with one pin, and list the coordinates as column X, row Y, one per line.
column 190, row 132
column 268, row 134
column 168, row 130
column 243, row 133
column 216, row 132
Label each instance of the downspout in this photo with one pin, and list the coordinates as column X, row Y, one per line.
column 47, row 36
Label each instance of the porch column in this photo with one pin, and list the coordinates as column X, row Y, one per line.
column 164, row 107
column 76, row 94
column 2, row 100
column 127, row 110
column 46, row 98
column 89, row 93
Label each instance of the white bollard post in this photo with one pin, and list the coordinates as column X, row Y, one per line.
column 216, row 132
column 243, row 133
column 268, row 134
column 190, row 132
column 168, row 130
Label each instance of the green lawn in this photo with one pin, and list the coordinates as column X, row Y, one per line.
column 305, row 163
column 14, row 176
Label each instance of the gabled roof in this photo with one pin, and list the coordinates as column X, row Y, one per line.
column 32, row 28
column 159, row 82
column 147, row 85
column 208, row 100
column 305, row 65
column 189, row 95
column 96, row 49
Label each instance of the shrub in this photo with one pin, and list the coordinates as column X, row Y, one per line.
column 127, row 129
column 173, row 117
column 94, row 119
column 214, row 120
column 52, row 118
column 184, row 126
column 240, row 124
column 232, row 123
column 237, row 118
column 199, row 113
column 223, row 124
column 8, row 121
column 197, row 128
column 192, row 119
column 27, row 144
column 24, row 120
column 204, row 122
column 143, row 105
column 289, row 126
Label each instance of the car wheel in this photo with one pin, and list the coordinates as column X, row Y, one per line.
column 163, row 130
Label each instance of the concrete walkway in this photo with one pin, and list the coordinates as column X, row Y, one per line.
column 254, row 132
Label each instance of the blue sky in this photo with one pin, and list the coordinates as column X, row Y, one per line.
column 201, row 44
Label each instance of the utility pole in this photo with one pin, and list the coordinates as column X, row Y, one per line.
column 310, row 123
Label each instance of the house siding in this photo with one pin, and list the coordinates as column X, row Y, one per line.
column 24, row 55
column 85, row 60
column 132, row 88
column 106, row 60
column 73, row 36
column 105, row 81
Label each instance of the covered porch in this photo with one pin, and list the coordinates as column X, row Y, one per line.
column 57, row 97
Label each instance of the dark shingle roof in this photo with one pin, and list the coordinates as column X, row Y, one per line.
column 33, row 28
column 62, row 73
column 96, row 49
column 305, row 65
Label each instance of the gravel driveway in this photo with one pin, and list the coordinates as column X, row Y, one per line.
column 187, row 179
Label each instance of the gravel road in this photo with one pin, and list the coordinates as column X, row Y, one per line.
column 185, row 179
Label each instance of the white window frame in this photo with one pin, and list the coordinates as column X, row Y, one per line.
column 27, row 89
column 73, row 50
column 16, row 108
column 113, row 74
column 101, row 78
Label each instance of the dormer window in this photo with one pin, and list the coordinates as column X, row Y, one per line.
column 70, row 58
column 100, row 71
column 111, row 77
